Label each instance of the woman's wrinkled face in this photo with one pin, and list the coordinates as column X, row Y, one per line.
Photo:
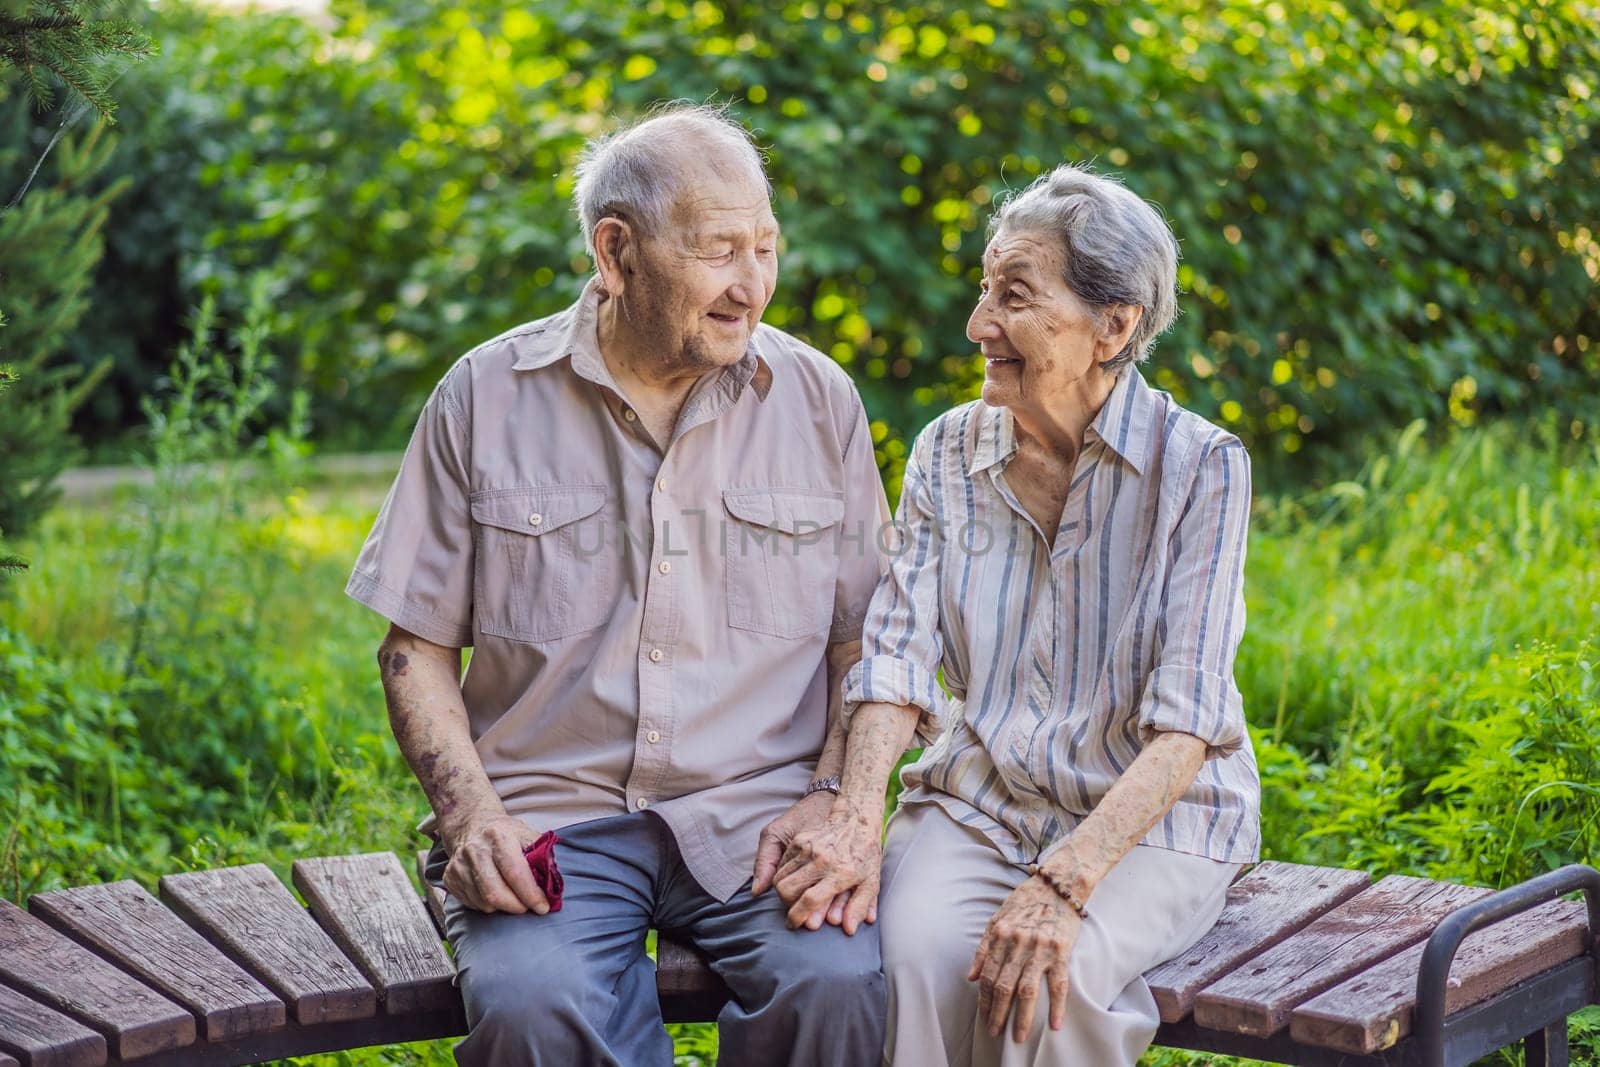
column 1037, row 337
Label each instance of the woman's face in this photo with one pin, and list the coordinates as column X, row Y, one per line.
column 1038, row 338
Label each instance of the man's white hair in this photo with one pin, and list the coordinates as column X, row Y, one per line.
column 638, row 172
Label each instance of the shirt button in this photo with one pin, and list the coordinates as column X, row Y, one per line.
column 661, row 484
column 656, row 655
column 642, row 803
column 665, row 568
column 653, row 736
column 628, row 414
column 535, row 519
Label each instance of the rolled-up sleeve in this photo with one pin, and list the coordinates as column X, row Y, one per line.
column 901, row 642
column 1192, row 690
column 866, row 511
column 416, row 566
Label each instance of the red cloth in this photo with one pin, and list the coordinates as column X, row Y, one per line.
column 541, row 857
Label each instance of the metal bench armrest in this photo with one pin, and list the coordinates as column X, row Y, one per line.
column 1440, row 951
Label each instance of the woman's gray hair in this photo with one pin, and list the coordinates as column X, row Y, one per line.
column 1118, row 249
column 637, row 172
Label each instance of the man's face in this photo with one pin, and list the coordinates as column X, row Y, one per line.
column 704, row 283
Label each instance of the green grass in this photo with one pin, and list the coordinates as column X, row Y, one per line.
column 1419, row 670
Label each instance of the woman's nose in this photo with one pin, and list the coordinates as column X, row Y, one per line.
column 980, row 326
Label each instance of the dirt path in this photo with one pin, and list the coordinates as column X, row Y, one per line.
column 92, row 484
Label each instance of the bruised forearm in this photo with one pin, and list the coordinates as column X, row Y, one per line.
column 421, row 683
column 879, row 736
column 1139, row 799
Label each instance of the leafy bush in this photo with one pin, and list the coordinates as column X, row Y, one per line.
column 1384, row 212
column 50, row 242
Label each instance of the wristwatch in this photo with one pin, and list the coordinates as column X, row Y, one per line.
column 829, row 784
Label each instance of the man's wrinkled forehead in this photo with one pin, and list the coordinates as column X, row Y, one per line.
column 711, row 200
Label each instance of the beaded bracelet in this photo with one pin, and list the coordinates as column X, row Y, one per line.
column 1061, row 891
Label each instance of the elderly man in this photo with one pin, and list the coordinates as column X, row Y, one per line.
column 653, row 519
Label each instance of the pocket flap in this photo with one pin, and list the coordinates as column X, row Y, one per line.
column 788, row 511
column 537, row 510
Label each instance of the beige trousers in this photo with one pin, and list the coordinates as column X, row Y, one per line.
column 943, row 883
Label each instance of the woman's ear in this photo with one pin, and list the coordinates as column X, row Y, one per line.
column 1119, row 322
column 615, row 250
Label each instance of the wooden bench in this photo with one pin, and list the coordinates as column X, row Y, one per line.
column 1307, row 965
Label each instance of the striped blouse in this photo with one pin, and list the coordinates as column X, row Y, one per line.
column 1060, row 662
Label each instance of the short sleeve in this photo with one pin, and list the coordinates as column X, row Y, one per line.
column 1192, row 689
column 902, row 645
column 866, row 513
column 416, row 566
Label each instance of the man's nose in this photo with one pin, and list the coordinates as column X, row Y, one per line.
column 747, row 288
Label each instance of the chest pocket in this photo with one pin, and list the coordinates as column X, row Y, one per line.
column 782, row 553
column 546, row 561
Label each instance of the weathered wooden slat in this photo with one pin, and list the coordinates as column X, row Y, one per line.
column 432, row 895
column 250, row 915
column 681, row 971
column 1373, row 925
column 134, row 1019
column 1374, row 1009
column 1265, row 906
column 367, row 904
column 44, row 1037
column 124, row 923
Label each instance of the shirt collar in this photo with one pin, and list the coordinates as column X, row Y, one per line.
column 1125, row 424
column 574, row 333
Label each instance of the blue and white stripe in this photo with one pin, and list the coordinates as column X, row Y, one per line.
column 1059, row 662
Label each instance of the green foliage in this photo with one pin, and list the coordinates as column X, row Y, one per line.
column 1531, row 752
column 1384, row 213
column 1419, row 666
column 51, row 42
column 50, row 243
column 170, row 709
column 8, row 563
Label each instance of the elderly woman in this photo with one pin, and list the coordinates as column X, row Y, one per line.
column 1072, row 561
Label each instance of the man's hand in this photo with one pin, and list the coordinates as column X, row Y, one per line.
column 1028, row 941
column 808, row 813
column 833, row 872
column 487, row 871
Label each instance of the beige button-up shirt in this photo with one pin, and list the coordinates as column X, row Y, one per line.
column 648, row 628
column 1061, row 660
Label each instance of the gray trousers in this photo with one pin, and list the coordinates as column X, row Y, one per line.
column 575, row 987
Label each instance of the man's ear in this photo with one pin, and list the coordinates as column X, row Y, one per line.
column 1119, row 322
column 616, row 253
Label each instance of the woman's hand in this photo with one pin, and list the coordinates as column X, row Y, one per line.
column 844, row 856
column 1028, row 941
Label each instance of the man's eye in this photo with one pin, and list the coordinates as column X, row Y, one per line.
column 767, row 251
